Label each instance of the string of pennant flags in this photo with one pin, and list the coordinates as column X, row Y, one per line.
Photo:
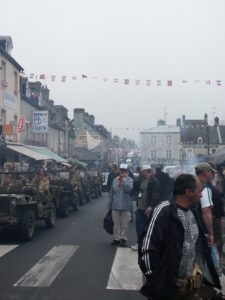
column 136, row 82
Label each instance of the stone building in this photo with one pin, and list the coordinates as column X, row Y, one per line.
column 199, row 139
column 9, row 90
column 35, row 97
column 161, row 145
column 90, row 138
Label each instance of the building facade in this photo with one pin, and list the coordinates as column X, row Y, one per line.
column 34, row 99
column 10, row 100
column 161, row 145
column 199, row 139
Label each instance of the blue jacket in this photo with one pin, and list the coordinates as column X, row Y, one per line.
column 119, row 197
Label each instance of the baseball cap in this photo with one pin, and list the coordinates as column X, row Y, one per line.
column 123, row 166
column 204, row 167
column 146, row 167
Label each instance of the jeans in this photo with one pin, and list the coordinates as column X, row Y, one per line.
column 141, row 220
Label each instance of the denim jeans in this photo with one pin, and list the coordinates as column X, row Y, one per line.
column 141, row 220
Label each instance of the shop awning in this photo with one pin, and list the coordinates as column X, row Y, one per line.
column 48, row 153
column 77, row 162
column 24, row 150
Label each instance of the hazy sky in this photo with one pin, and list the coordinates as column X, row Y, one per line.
column 126, row 39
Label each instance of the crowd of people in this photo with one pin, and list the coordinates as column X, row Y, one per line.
column 178, row 225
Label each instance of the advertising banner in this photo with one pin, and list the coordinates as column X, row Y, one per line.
column 40, row 121
column 20, row 124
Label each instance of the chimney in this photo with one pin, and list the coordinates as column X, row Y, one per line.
column 179, row 122
column 161, row 122
column 45, row 93
column 35, row 87
column 183, row 120
column 206, row 119
column 92, row 119
column 78, row 112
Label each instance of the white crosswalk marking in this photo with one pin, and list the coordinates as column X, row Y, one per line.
column 4, row 249
column 125, row 273
column 47, row 269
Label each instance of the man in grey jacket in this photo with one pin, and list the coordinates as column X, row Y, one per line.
column 120, row 203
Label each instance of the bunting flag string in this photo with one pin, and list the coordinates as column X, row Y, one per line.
column 126, row 81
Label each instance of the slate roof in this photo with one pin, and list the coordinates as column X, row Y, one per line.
column 190, row 134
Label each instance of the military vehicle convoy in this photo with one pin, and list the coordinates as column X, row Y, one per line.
column 65, row 195
column 29, row 196
column 24, row 198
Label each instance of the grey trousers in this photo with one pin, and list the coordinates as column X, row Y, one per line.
column 121, row 219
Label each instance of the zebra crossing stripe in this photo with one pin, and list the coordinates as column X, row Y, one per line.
column 4, row 249
column 125, row 273
column 48, row 268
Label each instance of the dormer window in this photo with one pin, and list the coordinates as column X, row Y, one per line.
column 200, row 140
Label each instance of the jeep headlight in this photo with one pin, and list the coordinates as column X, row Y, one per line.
column 13, row 203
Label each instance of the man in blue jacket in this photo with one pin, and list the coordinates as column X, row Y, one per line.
column 120, row 203
column 174, row 254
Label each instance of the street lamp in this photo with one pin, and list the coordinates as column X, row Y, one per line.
column 207, row 129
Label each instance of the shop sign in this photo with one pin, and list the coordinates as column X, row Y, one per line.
column 7, row 129
column 20, row 124
column 40, row 121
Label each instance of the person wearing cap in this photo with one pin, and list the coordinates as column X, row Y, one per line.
column 204, row 173
column 148, row 196
column 120, row 203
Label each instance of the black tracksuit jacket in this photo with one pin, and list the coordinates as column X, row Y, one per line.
column 160, row 254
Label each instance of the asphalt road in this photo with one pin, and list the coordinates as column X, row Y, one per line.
column 72, row 261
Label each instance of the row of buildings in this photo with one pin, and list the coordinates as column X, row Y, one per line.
column 29, row 116
column 189, row 141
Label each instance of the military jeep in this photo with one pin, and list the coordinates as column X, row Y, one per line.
column 64, row 192
column 22, row 202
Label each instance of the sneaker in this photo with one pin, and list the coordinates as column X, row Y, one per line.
column 134, row 247
column 123, row 243
column 115, row 242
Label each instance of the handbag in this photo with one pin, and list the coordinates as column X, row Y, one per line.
column 196, row 277
column 108, row 222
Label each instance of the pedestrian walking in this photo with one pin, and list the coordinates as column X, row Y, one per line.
column 112, row 175
column 120, row 203
column 148, row 196
column 217, row 211
column 204, row 173
column 174, row 254
column 165, row 182
column 219, row 181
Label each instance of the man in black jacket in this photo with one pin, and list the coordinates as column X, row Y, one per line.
column 174, row 245
column 112, row 175
column 148, row 196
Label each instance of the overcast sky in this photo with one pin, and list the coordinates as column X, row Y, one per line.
column 126, row 39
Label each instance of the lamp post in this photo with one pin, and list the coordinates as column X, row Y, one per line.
column 207, row 128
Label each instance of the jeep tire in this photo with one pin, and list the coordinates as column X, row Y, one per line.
column 64, row 206
column 27, row 225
